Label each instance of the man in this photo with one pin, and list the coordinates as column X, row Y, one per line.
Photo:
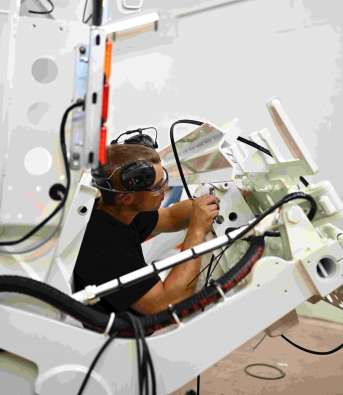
column 123, row 217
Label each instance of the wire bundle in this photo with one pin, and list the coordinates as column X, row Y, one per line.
column 146, row 371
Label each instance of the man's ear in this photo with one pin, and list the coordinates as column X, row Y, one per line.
column 126, row 198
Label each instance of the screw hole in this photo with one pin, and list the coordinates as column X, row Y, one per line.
column 82, row 210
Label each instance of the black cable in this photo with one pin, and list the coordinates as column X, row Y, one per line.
column 267, row 152
column 144, row 361
column 198, row 384
column 254, row 145
column 141, row 362
column 97, row 12
column 44, row 12
column 202, row 270
column 152, row 127
column 311, row 351
column 97, row 321
column 139, row 130
column 281, row 202
column 218, row 258
column 84, row 11
column 239, row 138
column 67, row 171
column 89, row 18
column 208, row 266
column 95, row 360
column 221, row 254
column 84, row 14
column 282, row 374
column 286, row 199
column 150, row 365
column 176, row 156
column 199, row 123
column 293, row 196
column 132, row 322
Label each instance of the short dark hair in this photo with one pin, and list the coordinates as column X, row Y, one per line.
column 119, row 155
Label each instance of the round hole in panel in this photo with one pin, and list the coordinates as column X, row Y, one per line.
column 44, row 70
column 37, row 111
column 233, row 216
column 326, row 267
column 38, row 161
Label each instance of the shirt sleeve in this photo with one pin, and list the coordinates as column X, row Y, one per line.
column 108, row 253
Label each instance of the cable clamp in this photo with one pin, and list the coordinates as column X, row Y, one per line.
column 90, row 292
column 219, row 289
column 154, row 266
column 227, row 231
column 109, row 324
column 194, row 254
column 120, row 284
column 174, row 315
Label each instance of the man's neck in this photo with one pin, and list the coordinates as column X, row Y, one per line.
column 125, row 216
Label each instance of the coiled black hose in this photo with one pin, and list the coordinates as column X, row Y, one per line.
column 98, row 321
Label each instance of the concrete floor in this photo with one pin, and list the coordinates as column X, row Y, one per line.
column 305, row 373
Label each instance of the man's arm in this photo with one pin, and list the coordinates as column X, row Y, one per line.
column 174, row 218
column 175, row 287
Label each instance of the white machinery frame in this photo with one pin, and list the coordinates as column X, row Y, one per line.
column 62, row 350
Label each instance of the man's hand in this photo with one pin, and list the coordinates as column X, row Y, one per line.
column 204, row 210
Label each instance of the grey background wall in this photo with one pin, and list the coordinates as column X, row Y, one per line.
column 217, row 60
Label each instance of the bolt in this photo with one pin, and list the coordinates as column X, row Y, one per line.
column 293, row 215
column 219, row 219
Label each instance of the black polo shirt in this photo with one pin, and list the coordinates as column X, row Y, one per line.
column 111, row 249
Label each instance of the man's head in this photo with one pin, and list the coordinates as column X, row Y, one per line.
column 128, row 167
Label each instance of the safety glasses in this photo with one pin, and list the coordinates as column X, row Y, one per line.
column 161, row 186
